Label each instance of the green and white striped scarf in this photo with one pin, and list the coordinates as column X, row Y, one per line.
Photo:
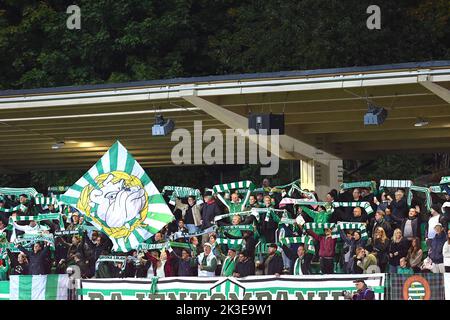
column 20, row 207
column 182, row 192
column 425, row 190
column 182, row 235
column 363, row 204
column 305, row 239
column 29, row 239
column 395, row 183
column 30, row 192
column 46, row 201
column 359, row 184
column 67, row 233
column 153, row 246
column 241, row 227
column 252, row 212
column 115, row 259
column 220, row 188
column 354, row 226
column 117, row 162
column 323, row 226
column 233, row 242
column 41, row 217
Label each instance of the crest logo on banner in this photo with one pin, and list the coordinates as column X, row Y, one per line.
column 119, row 199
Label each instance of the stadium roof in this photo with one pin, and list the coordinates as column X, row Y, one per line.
column 324, row 112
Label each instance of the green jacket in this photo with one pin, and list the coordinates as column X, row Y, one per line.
column 401, row 270
column 318, row 217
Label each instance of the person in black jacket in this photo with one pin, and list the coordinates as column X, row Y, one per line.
column 19, row 264
column 245, row 266
column 398, row 248
column 250, row 242
column 101, row 245
column 410, row 226
column 399, row 207
column 273, row 264
column 300, row 262
column 38, row 258
column 210, row 209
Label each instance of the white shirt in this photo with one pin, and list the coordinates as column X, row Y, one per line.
column 446, row 254
column 432, row 222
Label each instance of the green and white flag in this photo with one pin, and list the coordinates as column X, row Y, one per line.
column 120, row 199
column 42, row 287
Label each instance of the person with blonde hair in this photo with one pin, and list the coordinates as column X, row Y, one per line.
column 398, row 248
column 381, row 247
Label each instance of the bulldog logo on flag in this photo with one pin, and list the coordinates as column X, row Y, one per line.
column 118, row 198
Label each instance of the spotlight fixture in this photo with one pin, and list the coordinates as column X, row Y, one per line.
column 420, row 122
column 375, row 115
column 162, row 127
column 58, row 145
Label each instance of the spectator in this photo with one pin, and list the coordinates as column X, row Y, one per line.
column 446, row 253
column 209, row 210
column 190, row 213
column 182, row 227
column 207, row 262
column 186, row 264
column 404, row 267
column 399, row 207
column 358, row 216
column 380, row 247
column 302, row 260
column 415, row 253
column 75, row 222
column 380, row 222
column 81, row 264
column 249, row 242
column 436, row 250
column 410, row 226
column 253, row 202
column 383, row 203
column 37, row 258
column 364, row 260
column 398, row 248
column 18, row 265
column 326, row 250
column 353, row 242
column 363, row 292
column 273, row 264
column 229, row 263
column 245, row 266
column 432, row 222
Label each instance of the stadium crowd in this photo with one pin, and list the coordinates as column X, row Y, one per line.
column 354, row 230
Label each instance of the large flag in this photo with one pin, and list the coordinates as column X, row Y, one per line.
column 119, row 199
column 42, row 287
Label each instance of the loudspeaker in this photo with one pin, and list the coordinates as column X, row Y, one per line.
column 267, row 121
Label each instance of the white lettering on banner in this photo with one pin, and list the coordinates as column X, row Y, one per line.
column 222, row 288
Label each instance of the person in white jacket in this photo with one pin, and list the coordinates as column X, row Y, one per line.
column 207, row 262
column 446, row 252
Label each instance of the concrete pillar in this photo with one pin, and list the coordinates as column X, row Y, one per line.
column 321, row 176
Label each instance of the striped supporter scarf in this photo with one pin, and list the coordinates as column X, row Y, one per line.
column 425, row 190
column 41, row 217
column 46, row 201
column 363, row 204
column 31, row 192
column 323, row 226
column 233, row 242
column 395, row 183
column 182, row 192
column 221, row 188
column 115, row 259
column 305, row 239
column 20, row 207
column 360, row 184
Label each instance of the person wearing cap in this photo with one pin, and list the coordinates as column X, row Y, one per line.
column 363, row 292
column 207, row 262
column 229, row 263
column 273, row 264
column 435, row 251
column 75, row 221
